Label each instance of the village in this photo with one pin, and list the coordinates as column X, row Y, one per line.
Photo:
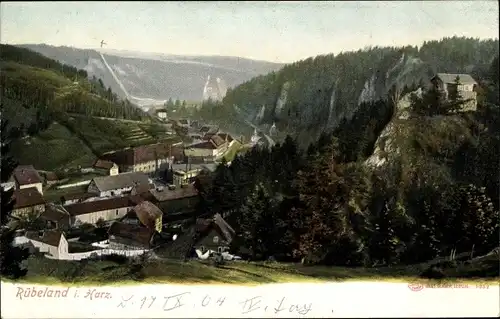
column 137, row 200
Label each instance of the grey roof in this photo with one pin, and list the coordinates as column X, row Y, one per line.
column 205, row 166
column 227, row 230
column 107, row 183
column 451, row 77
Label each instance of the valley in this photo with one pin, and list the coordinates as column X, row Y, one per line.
column 153, row 78
column 395, row 178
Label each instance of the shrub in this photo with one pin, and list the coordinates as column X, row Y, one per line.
column 117, row 258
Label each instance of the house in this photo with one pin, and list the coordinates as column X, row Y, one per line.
column 184, row 123
column 105, row 186
column 108, row 167
column 104, row 209
column 161, row 114
column 146, row 214
column 199, row 160
column 29, row 203
column 195, row 124
column 52, row 242
column 206, row 234
column 176, row 202
column 209, row 129
column 56, row 217
column 461, row 84
column 215, row 147
column 185, row 173
column 213, row 234
column 50, row 178
column 69, row 199
column 26, row 176
column 128, row 236
column 226, row 137
column 183, row 177
column 145, row 158
column 196, row 137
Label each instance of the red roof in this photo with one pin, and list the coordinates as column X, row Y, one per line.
column 148, row 213
column 178, row 193
column 214, row 142
column 204, row 145
column 27, row 197
column 26, row 174
column 225, row 136
column 103, row 164
column 99, row 205
column 134, row 233
column 142, row 154
column 51, row 177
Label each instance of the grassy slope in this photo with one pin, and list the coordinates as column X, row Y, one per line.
column 54, row 148
column 49, row 271
column 58, row 147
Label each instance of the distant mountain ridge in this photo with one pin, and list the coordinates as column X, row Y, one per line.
column 314, row 95
column 154, row 77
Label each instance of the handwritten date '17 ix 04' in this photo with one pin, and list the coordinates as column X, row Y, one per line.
column 182, row 300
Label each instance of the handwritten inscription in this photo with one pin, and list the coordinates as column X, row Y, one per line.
column 174, row 301
column 186, row 299
column 49, row 292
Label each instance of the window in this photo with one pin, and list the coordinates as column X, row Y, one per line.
column 202, row 249
column 220, row 249
column 116, row 212
column 216, row 239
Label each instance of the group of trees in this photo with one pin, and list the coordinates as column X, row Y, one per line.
column 325, row 205
column 30, row 81
column 313, row 83
column 11, row 257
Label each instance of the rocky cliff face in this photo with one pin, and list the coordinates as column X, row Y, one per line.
column 214, row 89
column 406, row 71
column 386, row 146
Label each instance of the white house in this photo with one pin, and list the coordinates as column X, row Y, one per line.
column 109, row 167
column 183, row 173
column 52, row 242
column 145, row 158
column 463, row 84
column 116, row 185
column 104, row 209
column 215, row 147
column 162, row 114
column 26, row 176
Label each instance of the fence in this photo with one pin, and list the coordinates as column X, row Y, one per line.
column 74, row 184
column 88, row 254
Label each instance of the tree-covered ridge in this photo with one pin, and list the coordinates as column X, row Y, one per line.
column 34, row 81
column 327, row 205
column 320, row 91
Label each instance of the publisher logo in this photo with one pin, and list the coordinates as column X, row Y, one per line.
column 415, row 286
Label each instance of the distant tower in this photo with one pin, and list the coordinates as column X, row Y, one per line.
column 273, row 130
column 255, row 137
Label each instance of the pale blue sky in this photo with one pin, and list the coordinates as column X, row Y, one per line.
column 283, row 31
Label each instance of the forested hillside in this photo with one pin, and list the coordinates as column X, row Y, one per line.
column 51, row 111
column 312, row 96
column 34, row 81
column 435, row 195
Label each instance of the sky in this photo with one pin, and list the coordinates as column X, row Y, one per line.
column 277, row 31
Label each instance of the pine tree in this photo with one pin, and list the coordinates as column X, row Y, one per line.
column 11, row 257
